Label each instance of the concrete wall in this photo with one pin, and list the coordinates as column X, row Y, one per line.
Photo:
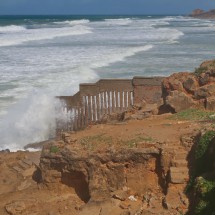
column 148, row 89
column 108, row 96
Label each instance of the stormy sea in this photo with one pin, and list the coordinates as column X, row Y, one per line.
column 42, row 57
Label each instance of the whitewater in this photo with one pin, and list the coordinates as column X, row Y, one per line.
column 44, row 57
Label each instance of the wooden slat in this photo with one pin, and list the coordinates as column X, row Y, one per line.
column 94, row 108
column 89, row 110
column 98, row 106
column 105, row 103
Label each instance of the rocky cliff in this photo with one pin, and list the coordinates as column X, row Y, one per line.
column 201, row 14
column 191, row 90
column 117, row 176
column 136, row 162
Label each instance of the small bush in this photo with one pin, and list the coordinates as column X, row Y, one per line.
column 202, row 205
column 200, row 70
column 203, row 144
column 204, row 187
column 205, row 190
column 54, row 149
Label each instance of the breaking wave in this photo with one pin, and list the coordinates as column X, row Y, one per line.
column 42, row 34
column 12, row 29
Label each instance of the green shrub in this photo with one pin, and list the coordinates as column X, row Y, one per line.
column 200, row 70
column 203, row 162
column 204, row 187
column 54, row 149
column 200, row 208
column 205, row 191
column 203, row 144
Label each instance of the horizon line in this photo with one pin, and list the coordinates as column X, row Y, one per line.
column 167, row 14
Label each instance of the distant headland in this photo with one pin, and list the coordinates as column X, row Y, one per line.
column 199, row 13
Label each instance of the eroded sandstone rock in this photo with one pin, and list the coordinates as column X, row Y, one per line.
column 95, row 175
column 185, row 90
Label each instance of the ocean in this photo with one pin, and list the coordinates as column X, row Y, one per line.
column 46, row 56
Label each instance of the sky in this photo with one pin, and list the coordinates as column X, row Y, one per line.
column 72, row 7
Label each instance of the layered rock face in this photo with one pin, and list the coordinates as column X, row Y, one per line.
column 191, row 90
column 95, row 175
column 146, row 179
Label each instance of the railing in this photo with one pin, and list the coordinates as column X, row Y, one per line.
column 93, row 101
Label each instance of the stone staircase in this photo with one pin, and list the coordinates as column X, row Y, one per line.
column 178, row 177
column 179, row 172
column 27, row 166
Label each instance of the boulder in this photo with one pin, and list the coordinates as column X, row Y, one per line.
column 186, row 90
column 205, row 92
column 191, row 84
column 179, row 101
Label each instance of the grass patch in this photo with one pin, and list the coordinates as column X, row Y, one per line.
column 91, row 142
column 54, row 149
column 194, row 115
column 133, row 142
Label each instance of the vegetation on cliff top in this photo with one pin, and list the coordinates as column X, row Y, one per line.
column 194, row 115
column 206, row 66
column 203, row 186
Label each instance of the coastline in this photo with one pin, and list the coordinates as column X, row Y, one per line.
column 135, row 160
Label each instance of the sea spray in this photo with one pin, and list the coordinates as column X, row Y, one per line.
column 31, row 120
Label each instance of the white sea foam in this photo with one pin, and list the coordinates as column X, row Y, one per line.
column 11, row 29
column 74, row 22
column 42, row 34
column 125, row 21
column 31, row 120
column 119, row 55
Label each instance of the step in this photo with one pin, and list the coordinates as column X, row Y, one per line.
column 179, row 175
column 179, row 163
column 180, row 155
column 27, row 161
column 23, row 165
column 18, row 169
column 34, row 159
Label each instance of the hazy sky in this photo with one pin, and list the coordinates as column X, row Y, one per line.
column 103, row 6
